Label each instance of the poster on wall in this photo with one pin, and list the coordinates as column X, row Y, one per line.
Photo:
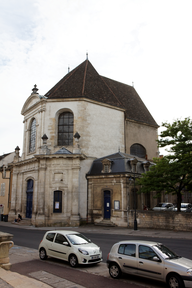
column 56, row 205
column 116, row 205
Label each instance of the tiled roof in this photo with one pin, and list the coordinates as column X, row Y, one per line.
column 85, row 82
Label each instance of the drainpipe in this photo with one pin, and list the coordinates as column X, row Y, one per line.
column 87, row 199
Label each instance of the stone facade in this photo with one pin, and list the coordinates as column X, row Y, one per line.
column 143, row 134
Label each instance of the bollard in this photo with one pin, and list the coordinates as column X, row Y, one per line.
column 5, row 245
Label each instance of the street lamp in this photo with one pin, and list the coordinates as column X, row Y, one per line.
column 135, row 219
column 134, row 163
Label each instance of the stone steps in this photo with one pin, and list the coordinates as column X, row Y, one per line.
column 106, row 223
column 23, row 222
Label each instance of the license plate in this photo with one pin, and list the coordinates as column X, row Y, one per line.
column 94, row 257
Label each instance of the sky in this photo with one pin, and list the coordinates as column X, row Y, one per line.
column 145, row 43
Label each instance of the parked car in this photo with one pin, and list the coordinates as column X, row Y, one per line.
column 188, row 210
column 150, row 260
column 184, row 207
column 70, row 246
column 163, row 207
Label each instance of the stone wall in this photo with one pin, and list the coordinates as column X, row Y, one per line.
column 178, row 221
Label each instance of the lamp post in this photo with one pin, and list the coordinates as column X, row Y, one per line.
column 135, row 218
column 134, row 163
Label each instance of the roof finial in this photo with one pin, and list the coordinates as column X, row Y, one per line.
column 35, row 89
column 87, row 56
column 133, row 84
column 68, row 69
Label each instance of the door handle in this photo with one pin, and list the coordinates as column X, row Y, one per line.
column 120, row 257
column 140, row 262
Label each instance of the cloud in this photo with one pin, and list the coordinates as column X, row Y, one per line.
column 145, row 42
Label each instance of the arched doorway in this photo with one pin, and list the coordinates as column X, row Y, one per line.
column 107, row 204
column 29, row 203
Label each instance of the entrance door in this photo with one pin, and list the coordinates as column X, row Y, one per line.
column 107, row 205
column 29, row 203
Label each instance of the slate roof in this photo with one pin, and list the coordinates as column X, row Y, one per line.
column 4, row 155
column 85, row 82
column 120, row 163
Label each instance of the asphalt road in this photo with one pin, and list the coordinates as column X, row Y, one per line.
column 32, row 237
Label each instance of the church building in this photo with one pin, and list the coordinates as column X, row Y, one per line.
column 85, row 119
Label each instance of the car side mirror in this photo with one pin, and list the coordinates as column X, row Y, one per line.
column 156, row 259
column 66, row 243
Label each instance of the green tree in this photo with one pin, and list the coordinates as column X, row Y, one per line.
column 173, row 172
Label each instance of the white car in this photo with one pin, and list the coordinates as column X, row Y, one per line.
column 70, row 246
column 163, row 207
column 150, row 260
column 184, row 207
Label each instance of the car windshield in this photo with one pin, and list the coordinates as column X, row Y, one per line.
column 78, row 239
column 165, row 252
column 161, row 205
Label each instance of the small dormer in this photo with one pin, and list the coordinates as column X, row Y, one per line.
column 133, row 162
column 106, row 163
column 146, row 165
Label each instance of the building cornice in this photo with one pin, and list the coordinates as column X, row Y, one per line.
column 86, row 100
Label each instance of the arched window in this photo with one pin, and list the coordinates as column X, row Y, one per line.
column 65, row 129
column 32, row 140
column 138, row 150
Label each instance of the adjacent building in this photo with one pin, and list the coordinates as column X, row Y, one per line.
column 5, row 184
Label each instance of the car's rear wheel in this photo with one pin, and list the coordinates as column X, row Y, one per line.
column 73, row 260
column 114, row 271
column 175, row 281
column 42, row 254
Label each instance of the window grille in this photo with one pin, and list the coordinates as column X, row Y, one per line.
column 138, row 150
column 32, row 136
column 65, row 129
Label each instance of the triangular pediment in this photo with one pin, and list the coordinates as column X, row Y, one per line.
column 63, row 150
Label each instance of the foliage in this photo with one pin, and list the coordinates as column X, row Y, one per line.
column 173, row 172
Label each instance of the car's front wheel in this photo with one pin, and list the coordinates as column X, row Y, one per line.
column 114, row 271
column 42, row 254
column 175, row 281
column 73, row 260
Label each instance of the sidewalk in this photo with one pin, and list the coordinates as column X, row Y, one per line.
column 109, row 230
column 40, row 278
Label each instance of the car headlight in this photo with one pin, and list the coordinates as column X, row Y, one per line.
column 189, row 271
column 84, row 252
